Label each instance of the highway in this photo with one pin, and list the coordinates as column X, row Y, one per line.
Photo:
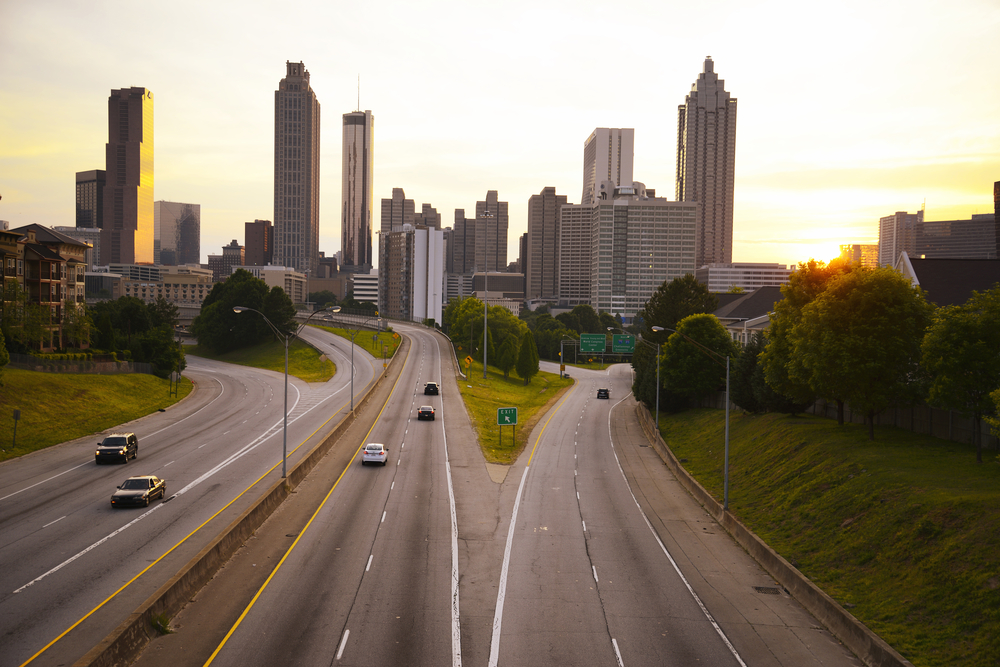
column 68, row 559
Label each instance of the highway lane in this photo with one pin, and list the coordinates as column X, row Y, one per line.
column 373, row 579
column 64, row 550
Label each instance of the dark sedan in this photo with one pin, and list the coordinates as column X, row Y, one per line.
column 138, row 491
column 425, row 412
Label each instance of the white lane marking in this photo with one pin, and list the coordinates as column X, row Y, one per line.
column 584, row 526
column 343, row 643
column 677, row 569
column 167, row 464
column 48, row 479
column 594, row 568
column 577, row 495
column 618, row 654
column 368, row 567
column 56, row 521
column 502, row 589
column 575, row 472
column 392, row 486
column 202, row 445
column 383, row 517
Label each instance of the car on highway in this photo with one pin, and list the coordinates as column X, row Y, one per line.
column 138, row 491
column 431, row 389
column 117, row 447
column 425, row 412
column 603, row 393
column 374, row 452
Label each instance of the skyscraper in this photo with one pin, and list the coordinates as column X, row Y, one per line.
column 90, row 198
column 706, row 163
column 396, row 212
column 127, row 230
column 608, row 154
column 357, row 192
column 296, row 171
column 259, row 238
column 177, row 233
column 491, row 234
column 541, row 261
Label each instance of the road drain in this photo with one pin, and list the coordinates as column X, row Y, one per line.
column 767, row 590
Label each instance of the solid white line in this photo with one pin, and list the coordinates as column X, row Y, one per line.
column 56, row 521
column 46, row 480
column 369, row 562
column 618, row 654
column 502, row 588
column 383, row 518
column 343, row 643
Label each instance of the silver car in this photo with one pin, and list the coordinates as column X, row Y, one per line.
column 375, row 452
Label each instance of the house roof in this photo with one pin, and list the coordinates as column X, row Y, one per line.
column 749, row 306
column 949, row 282
column 46, row 235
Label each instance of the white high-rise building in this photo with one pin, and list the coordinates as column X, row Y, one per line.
column 706, row 163
column 607, row 156
column 897, row 233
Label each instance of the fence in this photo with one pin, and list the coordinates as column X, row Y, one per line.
column 30, row 363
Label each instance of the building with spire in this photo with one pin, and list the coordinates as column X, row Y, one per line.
column 357, row 191
column 706, row 163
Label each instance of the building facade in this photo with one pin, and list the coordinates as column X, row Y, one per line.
column 90, row 198
column 222, row 265
column 411, row 282
column 364, row 286
column 608, row 155
column 575, row 222
column 127, row 231
column 975, row 238
column 176, row 233
column 293, row 282
column 89, row 235
column 357, row 191
column 706, row 163
column 491, row 233
column 860, row 253
column 296, row 170
column 541, row 260
column 745, row 276
column 259, row 239
column 897, row 233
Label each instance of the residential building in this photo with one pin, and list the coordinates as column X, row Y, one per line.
column 296, row 170
column 222, row 265
column 293, row 282
column 749, row 313
column 259, row 239
column 127, row 231
column 860, row 253
column 706, row 163
column 90, row 198
column 897, row 233
column 176, row 233
column 608, row 154
column 89, row 235
column 745, row 276
column 357, row 191
column 541, row 260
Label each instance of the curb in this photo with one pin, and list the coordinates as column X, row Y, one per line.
column 864, row 643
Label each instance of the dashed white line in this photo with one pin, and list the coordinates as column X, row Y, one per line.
column 202, row 445
column 383, row 517
column 52, row 522
column 577, row 495
column 618, row 654
column 367, row 567
column 584, row 526
column 594, row 568
column 167, row 464
column 343, row 643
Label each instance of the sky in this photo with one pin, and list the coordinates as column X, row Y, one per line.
column 847, row 111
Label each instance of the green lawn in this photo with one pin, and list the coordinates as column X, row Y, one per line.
column 304, row 362
column 57, row 407
column 483, row 397
column 903, row 531
column 375, row 344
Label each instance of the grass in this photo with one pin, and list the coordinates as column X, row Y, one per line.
column 303, row 360
column 903, row 531
column 483, row 397
column 368, row 340
column 57, row 407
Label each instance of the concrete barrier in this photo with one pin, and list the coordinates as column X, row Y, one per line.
column 864, row 643
column 127, row 641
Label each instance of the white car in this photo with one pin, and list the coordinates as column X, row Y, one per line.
column 375, row 452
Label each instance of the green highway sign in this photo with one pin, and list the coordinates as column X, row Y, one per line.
column 623, row 343
column 593, row 342
column 506, row 416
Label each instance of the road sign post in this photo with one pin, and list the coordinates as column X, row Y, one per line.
column 507, row 417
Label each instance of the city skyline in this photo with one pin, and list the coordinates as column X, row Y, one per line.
column 845, row 117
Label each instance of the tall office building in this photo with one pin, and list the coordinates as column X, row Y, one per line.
column 540, row 263
column 396, row 212
column 127, row 230
column 898, row 233
column 608, row 154
column 428, row 217
column 575, row 254
column 706, row 163
column 296, row 171
column 491, row 234
column 462, row 252
column 90, row 198
column 259, row 238
column 176, row 233
column 357, row 191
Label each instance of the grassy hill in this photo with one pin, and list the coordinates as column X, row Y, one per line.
column 903, row 531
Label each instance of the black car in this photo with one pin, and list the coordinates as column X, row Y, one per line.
column 117, row 447
column 431, row 389
column 603, row 393
column 425, row 412
column 139, row 491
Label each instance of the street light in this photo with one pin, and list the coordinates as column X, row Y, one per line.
column 657, row 374
column 486, row 280
column 288, row 339
column 356, row 331
column 714, row 356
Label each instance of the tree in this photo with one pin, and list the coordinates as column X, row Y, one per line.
column 860, row 340
column 4, row 356
column 961, row 353
column 673, row 301
column 159, row 348
column 748, row 386
column 588, row 319
column 76, row 322
column 322, row 299
column 609, row 320
column 162, row 312
column 222, row 330
column 507, row 358
column 781, row 368
column 570, row 321
column 692, row 362
column 527, row 360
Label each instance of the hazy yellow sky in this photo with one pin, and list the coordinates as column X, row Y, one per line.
column 847, row 111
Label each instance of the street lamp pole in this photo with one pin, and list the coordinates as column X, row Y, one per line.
column 356, row 331
column 486, row 289
column 287, row 338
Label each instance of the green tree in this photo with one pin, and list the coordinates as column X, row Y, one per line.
column 4, row 356
column 748, row 386
column 162, row 312
column 609, row 320
column 860, row 340
column 527, row 359
column 322, row 299
column 76, row 323
column 782, row 370
column 961, row 353
column 159, row 348
column 588, row 319
column 507, row 358
column 222, row 330
column 692, row 362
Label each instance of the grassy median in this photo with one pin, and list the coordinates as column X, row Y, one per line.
column 904, row 531
column 57, row 407
column 304, row 362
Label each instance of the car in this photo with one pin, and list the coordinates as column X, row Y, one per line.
column 431, row 389
column 603, row 393
column 425, row 412
column 117, row 447
column 139, row 491
column 374, row 452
